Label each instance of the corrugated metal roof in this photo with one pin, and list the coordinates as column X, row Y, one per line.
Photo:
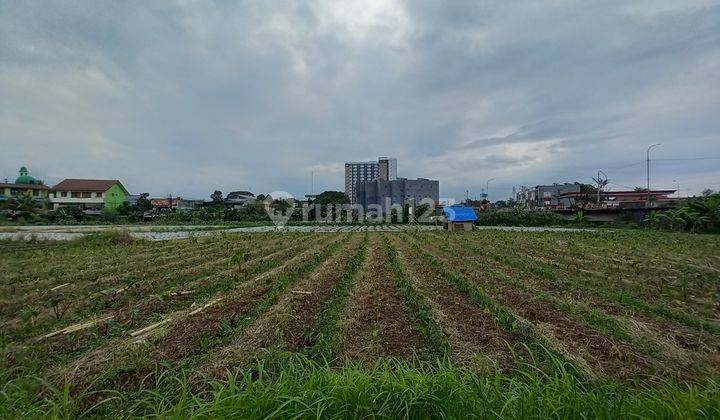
column 459, row 214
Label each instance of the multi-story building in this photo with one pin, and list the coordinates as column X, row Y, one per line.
column 387, row 169
column 91, row 195
column 24, row 184
column 547, row 196
column 357, row 172
column 397, row 192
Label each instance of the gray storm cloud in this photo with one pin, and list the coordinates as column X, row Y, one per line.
column 187, row 97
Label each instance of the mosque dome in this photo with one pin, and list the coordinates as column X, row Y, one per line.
column 24, row 178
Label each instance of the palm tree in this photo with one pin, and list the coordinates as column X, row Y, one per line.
column 708, row 209
column 21, row 206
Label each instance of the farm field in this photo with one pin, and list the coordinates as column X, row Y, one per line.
column 488, row 324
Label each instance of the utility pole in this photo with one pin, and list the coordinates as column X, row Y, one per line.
column 647, row 201
column 601, row 182
column 487, row 189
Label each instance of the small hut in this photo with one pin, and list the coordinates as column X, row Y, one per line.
column 459, row 218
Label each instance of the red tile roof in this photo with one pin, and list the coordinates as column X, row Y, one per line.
column 99, row 185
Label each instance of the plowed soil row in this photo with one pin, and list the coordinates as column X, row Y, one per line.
column 374, row 323
column 137, row 299
column 192, row 332
column 471, row 331
column 687, row 350
column 598, row 353
column 285, row 326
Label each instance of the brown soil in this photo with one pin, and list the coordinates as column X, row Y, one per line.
column 185, row 334
column 688, row 350
column 284, row 325
column 471, row 331
column 374, row 323
column 186, row 340
column 594, row 350
column 132, row 312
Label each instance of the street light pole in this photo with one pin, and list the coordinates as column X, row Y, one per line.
column 647, row 201
column 487, row 189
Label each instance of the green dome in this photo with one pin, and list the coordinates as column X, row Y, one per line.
column 24, row 178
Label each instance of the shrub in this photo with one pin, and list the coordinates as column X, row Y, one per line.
column 701, row 214
column 520, row 217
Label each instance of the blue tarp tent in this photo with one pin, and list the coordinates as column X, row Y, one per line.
column 459, row 214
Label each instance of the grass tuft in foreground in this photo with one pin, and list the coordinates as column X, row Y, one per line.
column 300, row 387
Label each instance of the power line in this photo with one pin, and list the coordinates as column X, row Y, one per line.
column 699, row 158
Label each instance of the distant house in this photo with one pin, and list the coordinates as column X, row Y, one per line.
column 24, row 185
column 547, row 196
column 175, row 203
column 459, row 218
column 239, row 198
column 91, row 195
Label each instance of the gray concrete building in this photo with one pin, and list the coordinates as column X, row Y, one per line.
column 358, row 172
column 396, row 192
column 387, row 169
column 547, row 196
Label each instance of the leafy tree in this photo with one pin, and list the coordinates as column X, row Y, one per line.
column 700, row 214
column 336, row 199
column 217, row 196
column 143, row 203
column 69, row 214
column 501, row 204
column 587, row 195
column 21, row 207
column 707, row 210
column 331, row 197
column 280, row 205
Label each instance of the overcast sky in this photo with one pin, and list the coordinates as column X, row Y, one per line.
column 185, row 97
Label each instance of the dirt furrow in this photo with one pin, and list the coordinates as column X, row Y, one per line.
column 374, row 323
column 187, row 332
column 472, row 333
column 285, row 326
column 597, row 352
column 121, row 295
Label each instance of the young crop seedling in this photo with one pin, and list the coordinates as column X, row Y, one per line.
column 58, row 304
column 239, row 258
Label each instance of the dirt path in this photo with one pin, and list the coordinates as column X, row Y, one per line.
column 374, row 323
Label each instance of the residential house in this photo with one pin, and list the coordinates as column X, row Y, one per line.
column 91, row 195
column 237, row 199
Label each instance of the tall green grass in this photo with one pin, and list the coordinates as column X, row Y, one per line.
column 301, row 388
